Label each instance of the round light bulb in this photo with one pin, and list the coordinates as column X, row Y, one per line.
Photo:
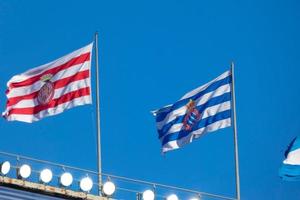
column 24, row 171
column 172, row 197
column 46, row 175
column 148, row 195
column 109, row 188
column 66, row 179
column 86, row 184
column 5, row 167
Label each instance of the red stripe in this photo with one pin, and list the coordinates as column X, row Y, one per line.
column 57, row 84
column 15, row 100
column 65, row 81
column 74, row 61
column 54, row 103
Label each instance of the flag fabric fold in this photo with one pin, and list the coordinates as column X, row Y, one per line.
column 290, row 169
column 205, row 109
column 51, row 88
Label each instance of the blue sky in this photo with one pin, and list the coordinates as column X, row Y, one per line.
column 151, row 53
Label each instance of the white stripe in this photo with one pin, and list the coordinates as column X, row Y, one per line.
column 211, row 111
column 200, row 101
column 20, row 91
column 196, row 134
column 175, row 128
column 212, row 127
column 73, row 86
column 208, row 112
column 293, row 158
column 51, row 111
column 38, row 70
column 203, row 87
column 171, row 116
column 164, row 109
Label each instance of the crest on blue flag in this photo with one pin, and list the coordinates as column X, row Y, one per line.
column 191, row 117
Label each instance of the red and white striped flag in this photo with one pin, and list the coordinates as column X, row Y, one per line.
column 51, row 88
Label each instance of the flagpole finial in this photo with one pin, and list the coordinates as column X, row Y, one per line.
column 95, row 36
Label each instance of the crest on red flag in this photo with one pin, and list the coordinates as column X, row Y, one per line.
column 46, row 92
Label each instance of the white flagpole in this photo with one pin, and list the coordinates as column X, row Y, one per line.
column 98, row 117
column 236, row 153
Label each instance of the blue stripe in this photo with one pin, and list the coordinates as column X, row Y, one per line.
column 202, row 123
column 290, row 172
column 212, row 102
column 163, row 110
column 295, row 144
column 215, row 85
column 193, row 116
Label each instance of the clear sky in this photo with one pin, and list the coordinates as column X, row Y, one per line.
column 152, row 53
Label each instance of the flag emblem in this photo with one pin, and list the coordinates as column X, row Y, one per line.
column 46, row 92
column 192, row 116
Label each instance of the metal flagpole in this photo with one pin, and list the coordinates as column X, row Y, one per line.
column 98, row 117
column 236, row 154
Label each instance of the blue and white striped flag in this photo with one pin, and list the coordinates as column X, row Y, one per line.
column 205, row 109
column 290, row 169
